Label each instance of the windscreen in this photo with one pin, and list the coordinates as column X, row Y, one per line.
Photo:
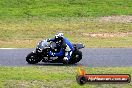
column 42, row 44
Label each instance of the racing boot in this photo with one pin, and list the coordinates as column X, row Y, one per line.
column 65, row 60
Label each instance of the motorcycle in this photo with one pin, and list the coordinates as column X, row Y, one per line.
column 41, row 53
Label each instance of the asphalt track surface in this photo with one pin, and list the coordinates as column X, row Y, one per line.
column 92, row 57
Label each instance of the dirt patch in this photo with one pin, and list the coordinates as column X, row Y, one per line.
column 121, row 19
column 106, row 35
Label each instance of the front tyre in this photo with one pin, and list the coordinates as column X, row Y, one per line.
column 32, row 58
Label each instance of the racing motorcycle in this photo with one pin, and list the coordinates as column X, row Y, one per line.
column 41, row 53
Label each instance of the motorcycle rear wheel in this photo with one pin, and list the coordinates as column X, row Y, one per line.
column 76, row 57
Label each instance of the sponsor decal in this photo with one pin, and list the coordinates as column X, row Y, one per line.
column 83, row 78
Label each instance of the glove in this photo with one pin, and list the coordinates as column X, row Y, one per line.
column 48, row 40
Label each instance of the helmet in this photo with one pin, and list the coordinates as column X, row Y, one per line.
column 59, row 38
column 59, row 35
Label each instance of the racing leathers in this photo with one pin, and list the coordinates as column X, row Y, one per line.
column 66, row 48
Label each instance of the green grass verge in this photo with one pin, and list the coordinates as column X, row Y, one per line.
column 55, row 76
column 19, row 9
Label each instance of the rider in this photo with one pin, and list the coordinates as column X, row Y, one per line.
column 64, row 45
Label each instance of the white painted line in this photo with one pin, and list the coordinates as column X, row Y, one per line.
column 16, row 48
column 10, row 48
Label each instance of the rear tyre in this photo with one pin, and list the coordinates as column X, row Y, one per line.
column 32, row 58
column 76, row 57
column 65, row 62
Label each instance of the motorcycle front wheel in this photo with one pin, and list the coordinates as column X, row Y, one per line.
column 32, row 58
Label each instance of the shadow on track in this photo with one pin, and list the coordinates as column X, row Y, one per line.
column 52, row 64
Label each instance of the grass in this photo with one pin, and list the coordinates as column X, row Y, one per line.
column 24, row 22
column 15, row 9
column 55, row 76
column 26, row 34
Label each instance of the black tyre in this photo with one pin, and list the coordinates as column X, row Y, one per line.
column 76, row 57
column 32, row 58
